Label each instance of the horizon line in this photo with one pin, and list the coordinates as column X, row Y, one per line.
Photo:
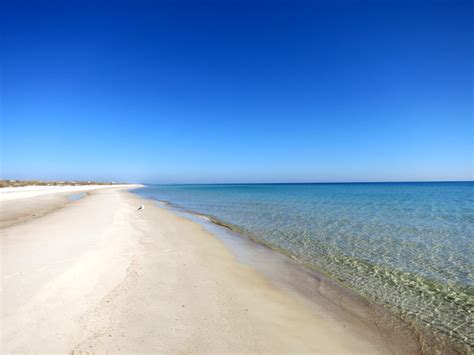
column 307, row 182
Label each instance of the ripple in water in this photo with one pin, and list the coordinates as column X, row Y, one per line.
column 408, row 246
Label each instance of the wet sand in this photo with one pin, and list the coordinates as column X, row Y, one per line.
column 97, row 275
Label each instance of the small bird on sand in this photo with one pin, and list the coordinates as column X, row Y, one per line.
column 142, row 207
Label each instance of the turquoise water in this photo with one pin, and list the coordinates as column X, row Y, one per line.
column 408, row 246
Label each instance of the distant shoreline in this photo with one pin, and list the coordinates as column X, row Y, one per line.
column 22, row 183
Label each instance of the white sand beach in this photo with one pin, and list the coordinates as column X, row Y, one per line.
column 98, row 275
column 18, row 193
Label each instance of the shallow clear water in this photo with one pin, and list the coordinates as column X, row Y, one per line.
column 409, row 246
column 76, row 197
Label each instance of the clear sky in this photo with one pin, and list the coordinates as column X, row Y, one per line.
column 237, row 91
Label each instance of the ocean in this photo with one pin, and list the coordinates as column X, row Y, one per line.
column 406, row 246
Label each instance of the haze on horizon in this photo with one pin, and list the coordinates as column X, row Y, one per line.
column 237, row 91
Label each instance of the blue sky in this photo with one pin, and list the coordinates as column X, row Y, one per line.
column 237, row 91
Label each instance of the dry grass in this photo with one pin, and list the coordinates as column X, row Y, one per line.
column 20, row 183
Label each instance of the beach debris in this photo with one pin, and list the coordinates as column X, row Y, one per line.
column 142, row 207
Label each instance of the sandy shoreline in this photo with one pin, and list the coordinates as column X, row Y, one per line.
column 98, row 275
column 24, row 203
column 18, row 193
